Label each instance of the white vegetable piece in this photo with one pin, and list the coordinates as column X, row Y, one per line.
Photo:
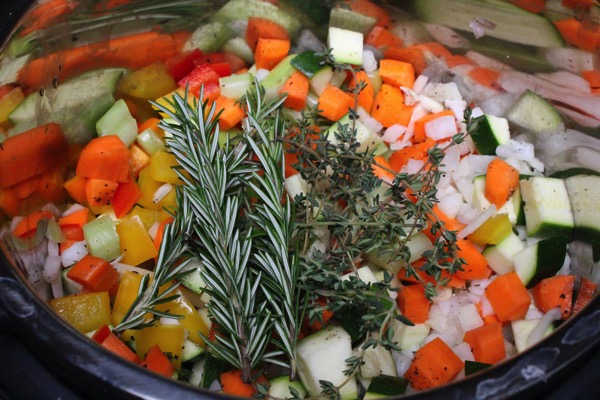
column 469, row 317
column 347, row 46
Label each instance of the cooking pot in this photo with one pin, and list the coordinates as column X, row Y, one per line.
column 94, row 372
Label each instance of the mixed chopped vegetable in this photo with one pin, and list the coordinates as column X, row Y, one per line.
column 299, row 199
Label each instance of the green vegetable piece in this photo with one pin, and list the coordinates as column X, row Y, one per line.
column 386, row 386
column 118, row 121
column 309, row 63
column 102, row 238
column 472, row 367
column 213, row 368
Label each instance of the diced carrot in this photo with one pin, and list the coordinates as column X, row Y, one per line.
column 413, row 304
column 372, row 10
column 326, row 315
column 269, row 52
column 593, row 77
column 475, row 266
column 76, row 188
column 585, row 36
column 397, row 73
column 486, row 77
column 94, row 274
column 381, row 37
column 28, row 225
column 434, row 48
column 125, row 197
column 160, row 232
column 501, row 181
column 577, row 4
column 451, row 224
column 157, row 361
column 586, row 292
column 417, row 151
column 296, row 88
column 264, row 28
column 420, row 134
column 456, row 60
column 509, row 297
column 232, row 384
column 72, row 232
column 435, row 364
column 138, row 159
column 152, row 124
column 99, row 192
column 30, row 153
column 411, row 55
column 487, row 343
column 44, row 14
column 535, row 6
column 79, row 217
column 104, row 157
column 231, row 114
column 10, row 202
column 388, row 104
column 334, row 103
column 555, row 292
column 116, row 345
column 132, row 51
column 381, row 169
column 367, row 93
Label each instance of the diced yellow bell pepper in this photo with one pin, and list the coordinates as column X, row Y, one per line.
column 148, row 186
column 168, row 337
column 148, row 83
column 126, row 295
column 9, row 102
column 165, row 100
column 148, row 217
column 136, row 244
column 85, row 312
column 192, row 321
column 492, row 231
column 161, row 167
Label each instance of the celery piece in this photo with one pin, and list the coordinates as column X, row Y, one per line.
column 347, row 19
column 118, row 121
column 208, row 38
column 235, row 86
column 150, row 142
column 102, row 238
column 240, row 48
column 243, row 9
column 278, row 76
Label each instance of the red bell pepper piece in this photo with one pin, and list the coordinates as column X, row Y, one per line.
column 223, row 69
column 201, row 75
column 181, row 65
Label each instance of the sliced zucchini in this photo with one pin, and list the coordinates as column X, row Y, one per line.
column 191, row 351
column 281, row 388
column 513, row 24
column 417, row 244
column 346, row 46
column 308, row 63
column 409, row 336
column 522, row 330
column 368, row 139
column 481, row 203
column 209, row 38
column 472, row 367
column 322, row 357
column 489, row 133
column 384, row 386
column 377, row 361
column 102, row 238
column 501, row 257
column 567, row 173
column 244, row 9
column 534, row 113
column 584, row 194
column 277, row 77
column 547, row 206
column 540, row 260
column 344, row 18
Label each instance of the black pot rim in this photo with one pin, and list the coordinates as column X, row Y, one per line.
column 92, row 370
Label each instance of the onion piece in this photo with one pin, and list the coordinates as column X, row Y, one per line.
column 51, row 274
column 393, row 133
column 261, row 74
column 76, row 252
column 441, row 128
column 371, row 123
column 420, row 83
column 161, row 192
column 539, row 331
column 477, row 222
column 369, row 61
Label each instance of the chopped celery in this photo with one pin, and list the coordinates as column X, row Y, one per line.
column 240, row 48
column 150, row 142
column 235, row 86
column 243, row 9
column 118, row 121
column 344, row 18
column 208, row 37
column 278, row 76
column 102, row 238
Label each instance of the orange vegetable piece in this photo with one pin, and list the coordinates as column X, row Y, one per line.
column 419, row 126
column 487, row 343
column 456, row 60
column 475, row 266
column 233, row 385
column 157, row 361
column 76, row 188
column 593, row 77
column 151, row 123
column 411, row 55
column 231, row 113
column 367, row 94
column 99, row 192
column 381, row 168
column 381, row 37
column 296, row 88
column 138, row 159
column 269, row 52
column 585, row 36
column 586, row 292
column 116, row 346
column 577, row 4
column 372, row 10
column 435, row 48
column 555, row 292
column 28, row 225
column 30, row 153
column 334, row 103
column 501, row 182
column 397, row 73
column 94, row 274
column 73, row 232
column 126, row 196
column 417, row 151
column 509, row 297
column 451, row 224
column 534, row 6
column 485, row 76
column 104, row 157
column 264, row 28
column 413, row 303
column 388, row 104
column 79, row 218
column 435, row 364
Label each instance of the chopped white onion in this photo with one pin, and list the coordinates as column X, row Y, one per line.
column 74, row 208
column 51, row 208
column 51, row 274
column 486, row 307
column 533, row 312
column 443, row 294
column 76, row 252
column 238, row 27
column 431, row 105
column 371, row 123
column 402, row 362
column 161, row 192
column 369, row 61
column 567, row 80
column 414, row 166
column 443, row 92
column 450, row 204
column 399, row 145
column 261, row 74
column 393, row 133
column 539, row 331
column 420, row 83
column 480, row 26
column 457, row 107
column 121, row 268
column 466, row 214
column 309, row 41
column 477, row 222
column 153, row 229
column 418, row 112
column 169, row 321
column 463, row 351
column 16, row 221
column 469, row 318
column 52, row 248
